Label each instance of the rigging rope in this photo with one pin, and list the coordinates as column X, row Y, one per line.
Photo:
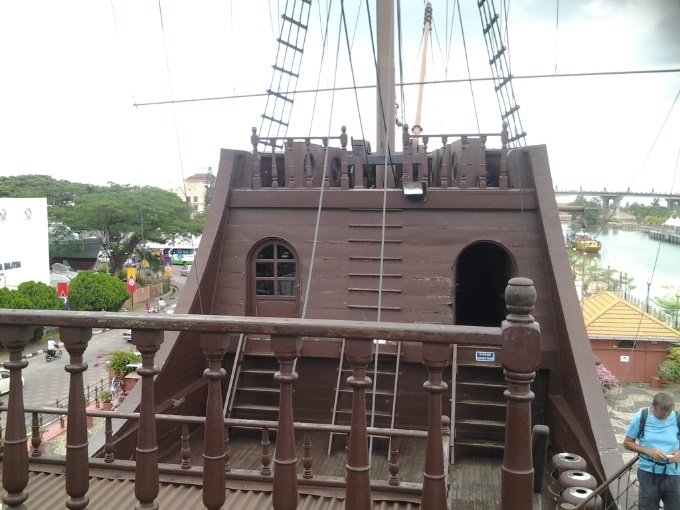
column 467, row 62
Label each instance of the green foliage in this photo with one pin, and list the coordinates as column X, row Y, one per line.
column 670, row 302
column 592, row 217
column 116, row 213
column 105, row 396
column 43, row 297
column 119, row 361
column 97, row 291
column 14, row 299
column 669, row 370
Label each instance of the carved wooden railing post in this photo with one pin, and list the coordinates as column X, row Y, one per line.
column 394, row 461
column 108, row 442
column 358, row 489
column 257, row 176
column 407, row 172
column 464, row 161
column 520, row 356
column 326, row 170
column 423, row 169
column 482, row 164
column 291, row 164
column 275, row 168
column 36, row 437
column 265, row 469
column 436, row 358
column 285, row 495
column 214, row 347
column 307, row 456
column 77, row 468
column 146, row 470
column 185, row 451
column 227, row 450
column 503, row 179
column 445, row 171
column 14, row 481
column 344, row 172
column 309, row 170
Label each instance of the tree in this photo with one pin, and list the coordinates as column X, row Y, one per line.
column 43, row 297
column 591, row 217
column 209, row 189
column 97, row 291
column 669, row 303
column 117, row 214
column 14, row 299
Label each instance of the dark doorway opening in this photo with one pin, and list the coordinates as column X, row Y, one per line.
column 481, row 275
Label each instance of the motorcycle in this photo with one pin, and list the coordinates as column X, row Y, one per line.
column 49, row 356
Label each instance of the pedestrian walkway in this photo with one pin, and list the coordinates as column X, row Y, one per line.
column 628, row 400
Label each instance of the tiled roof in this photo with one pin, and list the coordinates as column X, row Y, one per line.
column 610, row 316
column 197, row 177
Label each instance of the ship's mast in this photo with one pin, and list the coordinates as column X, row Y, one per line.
column 386, row 99
column 417, row 128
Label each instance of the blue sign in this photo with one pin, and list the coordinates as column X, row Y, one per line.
column 485, row 356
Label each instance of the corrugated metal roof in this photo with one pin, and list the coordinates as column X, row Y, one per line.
column 608, row 315
column 48, row 490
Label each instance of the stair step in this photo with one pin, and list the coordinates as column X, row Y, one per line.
column 477, row 443
column 484, row 403
column 482, row 384
column 259, row 389
column 258, row 371
column 389, row 393
column 384, row 414
column 265, row 354
column 481, row 423
column 255, row 407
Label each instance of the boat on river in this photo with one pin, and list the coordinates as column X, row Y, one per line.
column 583, row 241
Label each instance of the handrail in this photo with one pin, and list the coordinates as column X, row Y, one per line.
column 627, row 467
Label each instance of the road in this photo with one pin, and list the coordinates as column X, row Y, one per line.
column 45, row 383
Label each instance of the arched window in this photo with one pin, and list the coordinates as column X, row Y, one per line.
column 274, row 277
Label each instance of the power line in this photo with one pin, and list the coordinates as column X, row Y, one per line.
column 414, row 83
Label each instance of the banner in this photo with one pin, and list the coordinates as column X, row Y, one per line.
column 131, row 277
column 62, row 293
column 167, row 266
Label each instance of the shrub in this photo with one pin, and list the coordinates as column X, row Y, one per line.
column 105, row 396
column 669, row 370
column 608, row 381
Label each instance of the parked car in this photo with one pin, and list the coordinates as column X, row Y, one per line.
column 184, row 270
column 127, row 335
column 4, row 381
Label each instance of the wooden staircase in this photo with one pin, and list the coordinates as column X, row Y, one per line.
column 253, row 393
column 386, row 381
column 480, row 404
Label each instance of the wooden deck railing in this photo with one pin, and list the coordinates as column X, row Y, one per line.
column 519, row 339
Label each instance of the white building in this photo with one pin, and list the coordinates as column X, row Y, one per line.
column 24, row 242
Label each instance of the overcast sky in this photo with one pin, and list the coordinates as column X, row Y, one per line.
column 73, row 71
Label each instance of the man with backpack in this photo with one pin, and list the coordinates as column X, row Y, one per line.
column 657, row 430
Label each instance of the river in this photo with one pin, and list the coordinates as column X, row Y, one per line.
column 644, row 259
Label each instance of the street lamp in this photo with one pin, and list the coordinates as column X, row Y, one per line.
column 649, row 283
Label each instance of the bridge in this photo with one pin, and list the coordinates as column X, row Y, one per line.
column 614, row 198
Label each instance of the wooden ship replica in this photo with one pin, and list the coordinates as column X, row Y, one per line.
column 353, row 332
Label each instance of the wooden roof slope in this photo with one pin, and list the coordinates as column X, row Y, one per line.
column 607, row 315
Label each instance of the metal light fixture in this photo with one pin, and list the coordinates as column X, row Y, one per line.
column 414, row 190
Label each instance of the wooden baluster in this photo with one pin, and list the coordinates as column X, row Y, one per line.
column 108, row 444
column 307, row 456
column 77, row 467
column 503, row 183
column 285, row 495
column 146, row 470
column 464, row 161
column 358, row 488
column 308, row 163
column 407, row 167
column 291, row 164
column 214, row 347
column 482, row 164
column 227, row 450
column 326, row 170
column 436, row 358
column 359, row 171
column 186, row 447
column 344, row 176
column 14, row 481
column 445, row 170
column 36, row 437
column 520, row 355
column 257, row 176
column 275, row 168
column 266, row 470
column 424, row 165
column 394, row 461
